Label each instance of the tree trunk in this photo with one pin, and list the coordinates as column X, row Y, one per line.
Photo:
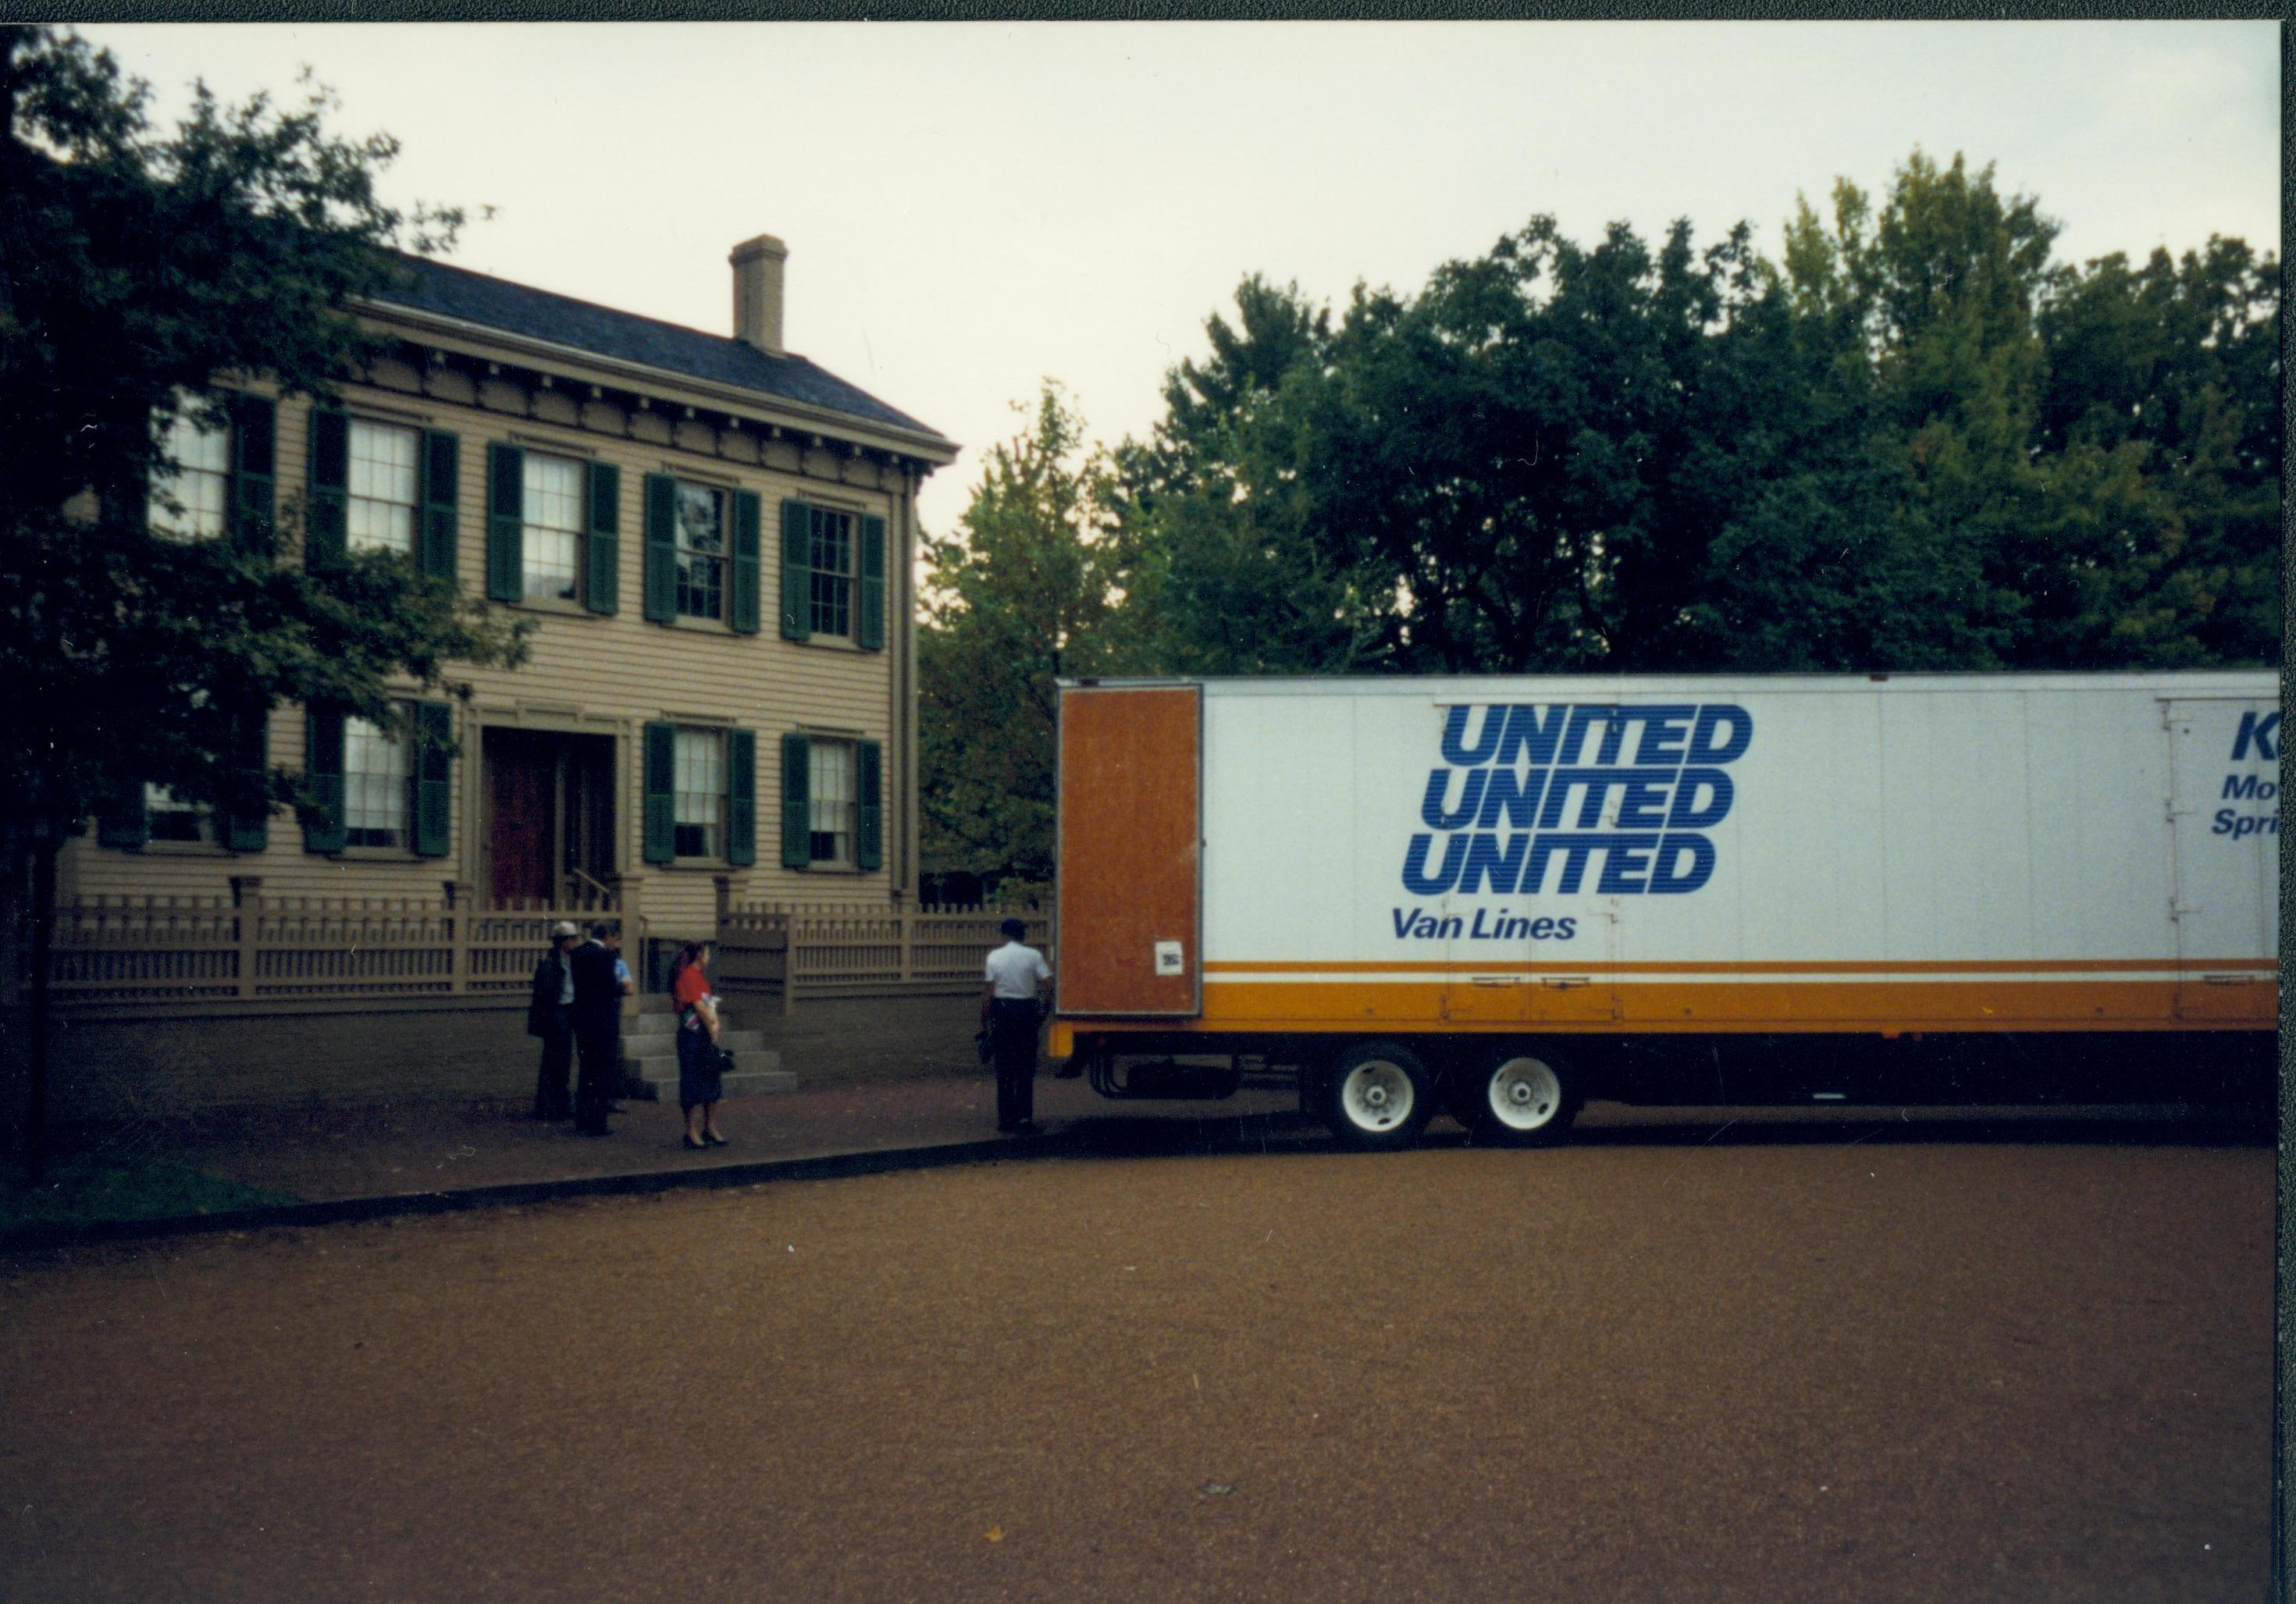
column 45, row 845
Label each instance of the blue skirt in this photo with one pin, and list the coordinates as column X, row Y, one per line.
column 698, row 1078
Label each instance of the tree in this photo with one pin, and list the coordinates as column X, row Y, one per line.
column 1916, row 442
column 1225, row 572
column 142, row 276
column 1019, row 598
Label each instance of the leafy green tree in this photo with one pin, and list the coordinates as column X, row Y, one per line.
column 1914, row 443
column 1225, row 572
column 2174, row 369
column 1019, row 598
column 142, row 275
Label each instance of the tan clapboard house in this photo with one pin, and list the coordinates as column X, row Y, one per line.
column 715, row 537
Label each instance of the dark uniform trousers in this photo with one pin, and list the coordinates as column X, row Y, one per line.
column 1012, row 1033
column 595, row 1085
column 556, row 1028
column 597, row 1032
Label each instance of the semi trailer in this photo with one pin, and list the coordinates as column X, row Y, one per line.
column 1498, row 897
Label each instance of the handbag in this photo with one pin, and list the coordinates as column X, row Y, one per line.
column 721, row 1058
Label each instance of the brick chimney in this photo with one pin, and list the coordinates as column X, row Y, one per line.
column 757, row 292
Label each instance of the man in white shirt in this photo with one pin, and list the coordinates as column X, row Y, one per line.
column 1018, row 985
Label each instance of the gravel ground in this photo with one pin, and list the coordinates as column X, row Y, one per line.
column 1643, row 1369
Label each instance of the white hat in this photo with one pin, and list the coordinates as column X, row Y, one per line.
column 563, row 929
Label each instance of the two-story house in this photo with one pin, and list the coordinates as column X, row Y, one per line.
column 717, row 539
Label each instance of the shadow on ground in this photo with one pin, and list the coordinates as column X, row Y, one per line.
column 1120, row 1135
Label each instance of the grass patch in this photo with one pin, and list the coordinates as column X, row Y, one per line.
column 79, row 1189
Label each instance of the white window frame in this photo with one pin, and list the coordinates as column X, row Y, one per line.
column 698, row 753
column 193, row 820
column 200, row 489
column 387, row 793
column 539, row 502
column 833, row 799
column 833, row 590
column 374, row 520
column 719, row 561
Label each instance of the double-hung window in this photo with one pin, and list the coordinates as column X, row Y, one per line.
column 553, row 544
column 700, row 551
column 700, row 793
column 201, row 485
column 378, row 486
column 212, row 477
column 384, row 487
column 167, row 817
column 378, row 784
column 832, row 571
column 371, row 788
column 552, row 528
column 831, row 803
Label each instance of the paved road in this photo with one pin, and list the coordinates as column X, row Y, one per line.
column 1646, row 1368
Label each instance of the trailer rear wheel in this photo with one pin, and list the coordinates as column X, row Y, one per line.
column 1378, row 1095
column 1518, row 1097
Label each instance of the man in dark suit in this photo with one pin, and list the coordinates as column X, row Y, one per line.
column 597, row 1030
column 550, row 1015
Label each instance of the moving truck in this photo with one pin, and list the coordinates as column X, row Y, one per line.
column 1499, row 897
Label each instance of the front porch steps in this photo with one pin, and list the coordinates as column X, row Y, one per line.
column 650, row 1055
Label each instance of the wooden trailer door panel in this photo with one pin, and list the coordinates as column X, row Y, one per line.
column 1128, row 897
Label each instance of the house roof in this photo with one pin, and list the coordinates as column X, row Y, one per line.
column 494, row 303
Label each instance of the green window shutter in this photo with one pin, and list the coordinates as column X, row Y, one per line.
column 505, row 522
column 249, row 829
column 742, row 797
column 869, row 625
column 442, row 462
column 747, row 515
column 660, row 845
column 434, row 756
column 661, row 548
column 796, row 570
column 603, row 592
column 328, row 510
column 254, row 481
column 797, row 803
column 869, row 829
column 323, row 774
column 121, row 821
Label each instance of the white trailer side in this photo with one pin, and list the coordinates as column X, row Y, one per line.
column 1420, row 861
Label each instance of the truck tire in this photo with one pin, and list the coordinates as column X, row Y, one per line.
column 1377, row 1096
column 1520, row 1096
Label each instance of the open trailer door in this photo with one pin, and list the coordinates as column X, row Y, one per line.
column 1129, row 900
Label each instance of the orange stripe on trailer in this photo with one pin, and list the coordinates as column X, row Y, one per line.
column 1851, row 1007
column 1944, row 965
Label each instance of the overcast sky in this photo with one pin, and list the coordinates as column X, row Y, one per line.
column 972, row 207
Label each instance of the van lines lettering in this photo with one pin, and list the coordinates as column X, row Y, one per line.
column 2258, row 739
column 1569, row 798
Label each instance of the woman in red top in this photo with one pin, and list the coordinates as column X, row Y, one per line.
column 700, row 1083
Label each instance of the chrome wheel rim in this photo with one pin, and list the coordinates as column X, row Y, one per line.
column 1377, row 1096
column 1524, row 1094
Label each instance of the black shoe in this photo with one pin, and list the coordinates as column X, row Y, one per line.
column 1026, row 1127
column 693, row 1146
column 583, row 1130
